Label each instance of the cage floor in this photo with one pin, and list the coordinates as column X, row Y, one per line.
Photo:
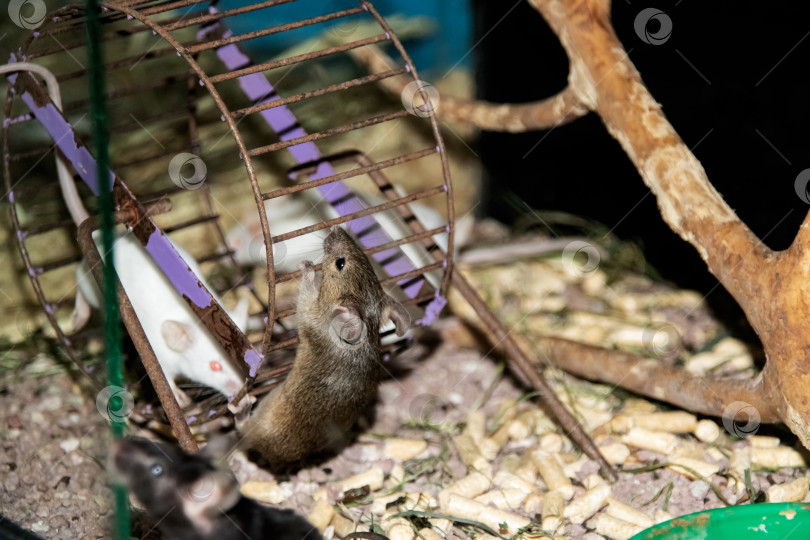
column 51, row 450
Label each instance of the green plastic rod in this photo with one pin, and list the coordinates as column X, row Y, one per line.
column 112, row 316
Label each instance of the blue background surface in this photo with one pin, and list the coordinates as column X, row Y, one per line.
column 445, row 48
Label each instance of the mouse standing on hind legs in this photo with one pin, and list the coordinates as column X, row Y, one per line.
column 337, row 366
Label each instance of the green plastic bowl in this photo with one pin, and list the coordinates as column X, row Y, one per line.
column 789, row 521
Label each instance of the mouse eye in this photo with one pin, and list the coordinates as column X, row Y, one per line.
column 156, row 469
column 340, row 263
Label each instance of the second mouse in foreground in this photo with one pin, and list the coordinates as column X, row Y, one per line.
column 337, row 366
column 191, row 499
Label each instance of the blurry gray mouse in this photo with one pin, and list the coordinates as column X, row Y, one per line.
column 337, row 366
column 192, row 499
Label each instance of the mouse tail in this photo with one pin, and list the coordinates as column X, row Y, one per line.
column 66, row 183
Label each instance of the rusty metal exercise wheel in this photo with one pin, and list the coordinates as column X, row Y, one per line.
column 179, row 82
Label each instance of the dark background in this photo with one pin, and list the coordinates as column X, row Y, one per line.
column 732, row 89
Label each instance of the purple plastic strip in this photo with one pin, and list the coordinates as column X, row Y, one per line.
column 176, row 269
column 62, row 133
column 257, row 88
column 433, row 310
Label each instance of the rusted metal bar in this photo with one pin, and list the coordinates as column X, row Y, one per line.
column 131, row 3
column 162, row 205
column 171, row 6
column 42, row 229
column 526, row 370
column 120, row 63
column 140, row 123
column 318, row 93
column 34, row 191
column 190, row 223
column 214, row 257
column 285, row 312
column 302, row 170
column 162, row 155
column 417, row 300
column 362, row 213
column 371, row 251
column 36, row 152
column 328, row 133
column 413, row 273
column 272, row 30
column 139, row 339
column 211, row 17
column 407, row 240
column 53, row 265
column 82, row 41
column 129, row 91
column 297, row 59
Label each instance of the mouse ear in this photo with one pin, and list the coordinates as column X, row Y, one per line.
column 178, row 336
column 214, row 492
column 396, row 313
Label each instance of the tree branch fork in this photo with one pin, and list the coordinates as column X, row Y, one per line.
column 772, row 288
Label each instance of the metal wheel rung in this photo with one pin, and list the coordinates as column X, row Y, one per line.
column 317, row 93
column 140, row 124
column 361, row 213
column 158, row 83
column 419, row 300
column 371, row 251
column 349, row 174
column 272, row 30
column 75, row 44
column 55, row 265
column 297, row 59
column 138, row 161
column 36, row 152
column 33, row 231
column 328, row 133
column 214, row 257
column 169, row 7
column 419, row 272
column 190, row 223
column 121, row 63
column 210, row 17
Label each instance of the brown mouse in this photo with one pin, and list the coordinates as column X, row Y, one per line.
column 337, row 366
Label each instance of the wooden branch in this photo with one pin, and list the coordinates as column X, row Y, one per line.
column 514, row 118
column 650, row 377
column 689, row 204
column 772, row 288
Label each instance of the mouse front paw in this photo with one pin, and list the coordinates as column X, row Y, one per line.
column 307, row 271
column 240, row 410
